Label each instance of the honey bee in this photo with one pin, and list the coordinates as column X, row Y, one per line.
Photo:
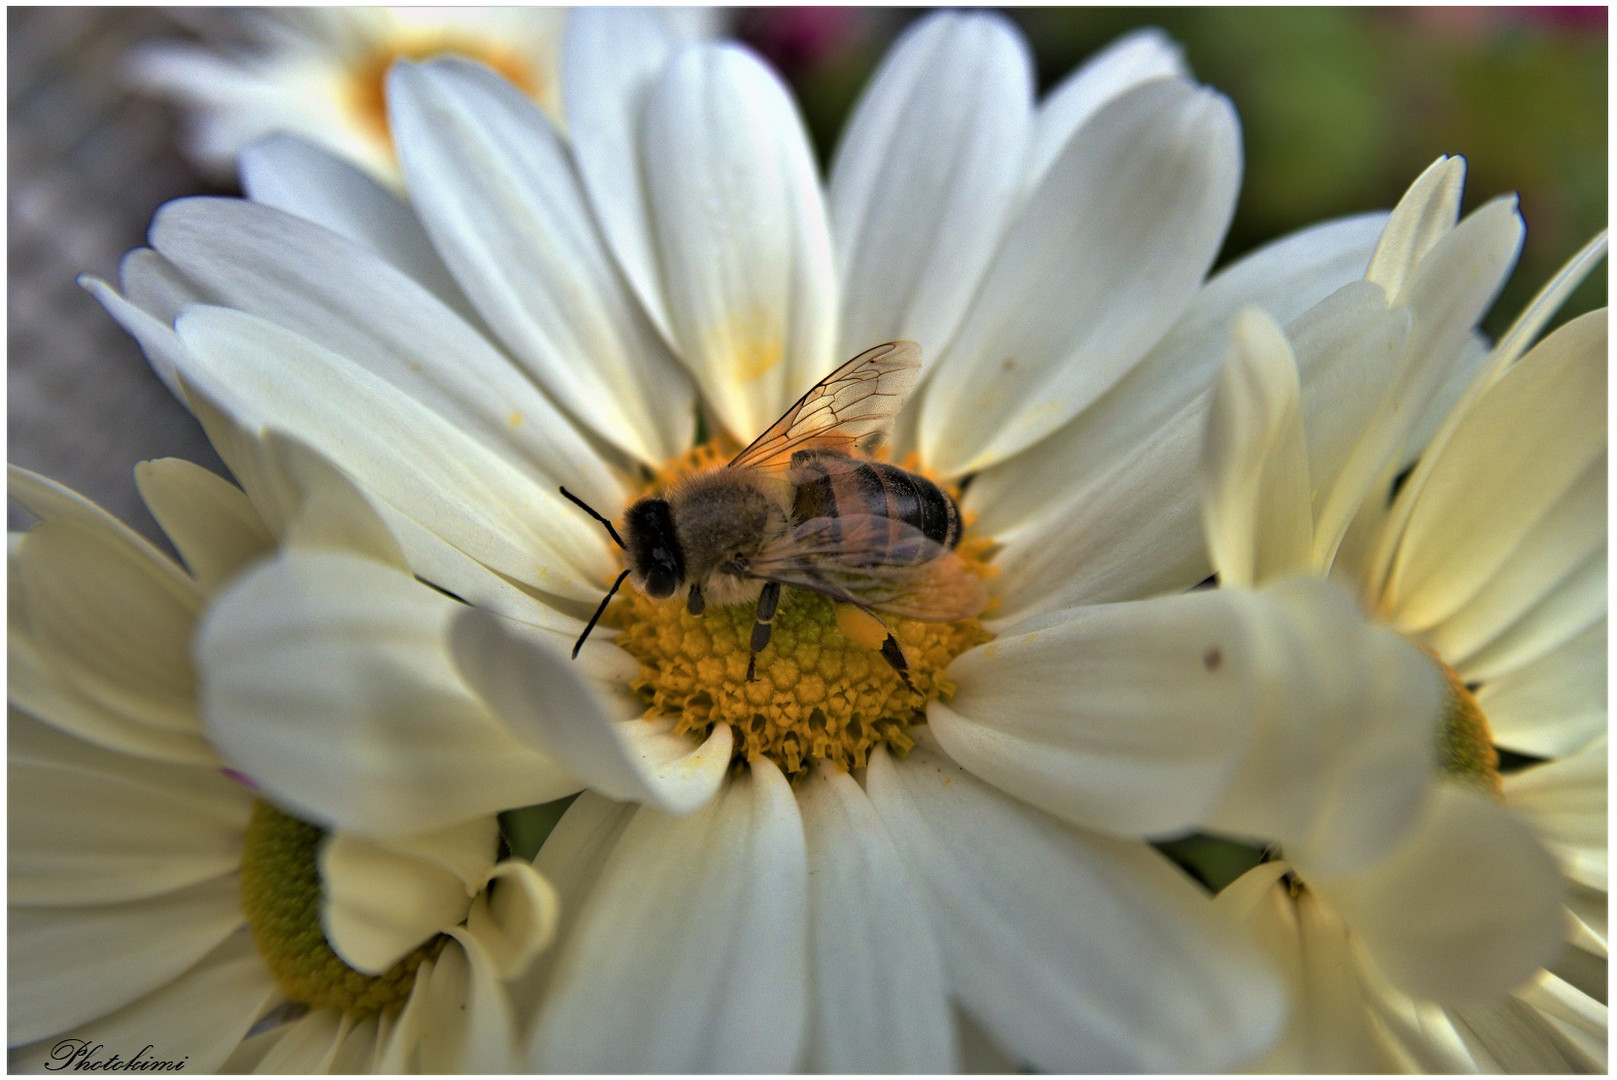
column 798, row 509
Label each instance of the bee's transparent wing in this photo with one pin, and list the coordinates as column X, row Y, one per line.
column 874, row 562
column 851, row 409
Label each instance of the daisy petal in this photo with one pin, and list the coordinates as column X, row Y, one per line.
column 692, row 918
column 1125, row 718
column 114, row 622
column 1255, row 470
column 466, row 1022
column 1523, row 446
column 381, row 900
column 119, row 829
column 416, row 460
column 1106, row 508
column 340, row 296
column 133, row 949
column 545, row 701
column 1340, row 768
column 300, row 179
column 743, row 246
column 328, row 678
column 1563, row 613
column 1054, row 962
column 197, row 1020
column 497, row 191
column 1082, row 288
column 207, row 519
column 611, row 59
column 1555, row 704
column 1566, row 802
column 1567, row 534
column 1463, row 912
column 1133, row 59
column 515, row 918
column 1425, row 215
column 880, row 1004
column 925, row 177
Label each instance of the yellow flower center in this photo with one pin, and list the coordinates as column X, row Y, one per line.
column 1465, row 742
column 366, row 85
column 280, row 892
column 816, row 694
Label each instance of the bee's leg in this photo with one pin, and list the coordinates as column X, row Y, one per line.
column 694, row 603
column 866, row 628
column 768, row 601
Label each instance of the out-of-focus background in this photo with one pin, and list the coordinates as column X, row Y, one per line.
column 1341, row 108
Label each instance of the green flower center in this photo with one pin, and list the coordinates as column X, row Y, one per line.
column 280, row 893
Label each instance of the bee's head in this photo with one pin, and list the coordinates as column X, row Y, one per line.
column 655, row 561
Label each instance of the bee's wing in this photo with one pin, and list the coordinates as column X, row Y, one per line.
column 874, row 562
column 851, row 408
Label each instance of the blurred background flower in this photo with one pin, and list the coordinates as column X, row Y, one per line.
column 1340, row 106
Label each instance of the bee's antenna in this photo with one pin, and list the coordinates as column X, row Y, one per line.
column 616, row 539
column 610, row 593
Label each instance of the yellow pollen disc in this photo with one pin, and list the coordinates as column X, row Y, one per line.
column 816, row 694
column 1465, row 744
column 366, row 88
column 280, row 892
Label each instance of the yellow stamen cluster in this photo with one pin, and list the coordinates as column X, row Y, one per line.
column 367, row 75
column 815, row 694
column 280, row 892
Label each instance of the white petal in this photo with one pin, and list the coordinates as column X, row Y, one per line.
column 1125, row 718
column 1520, row 448
column 611, row 59
column 1056, row 941
column 1531, row 322
column 1132, row 59
column 1107, row 507
column 108, row 827
column 379, row 900
column 1104, row 258
column 1426, row 213
column 743, row 247
column 195, row 1022
column 68, row 965
column 693, row 918
column 1566, row 802
column 1463, row 912
column 1511, row 1037
column 515, row 918
column 1347, row 347
column 546, row 702
column 1330, row 1028
column 925, row 177
column 1340, row 767
column 1561, row 615
column 111, row 619
column 301, row 179
column 1446, row 295
column 497, row 191
column 345, row 298
column 1555, row 545
column 1255, row 468
column 328, row 678
column 1555, row 704
column 880, row 1003
column 207, row 519
column 403, row 453
column 466, row 1024
column 309, row 1043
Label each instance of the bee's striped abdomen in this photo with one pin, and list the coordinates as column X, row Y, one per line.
column 834, row 486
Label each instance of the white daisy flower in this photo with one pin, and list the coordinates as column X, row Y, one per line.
column 158, row 899
column 549, row 312
column 1490, row 557
column 319, row 72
